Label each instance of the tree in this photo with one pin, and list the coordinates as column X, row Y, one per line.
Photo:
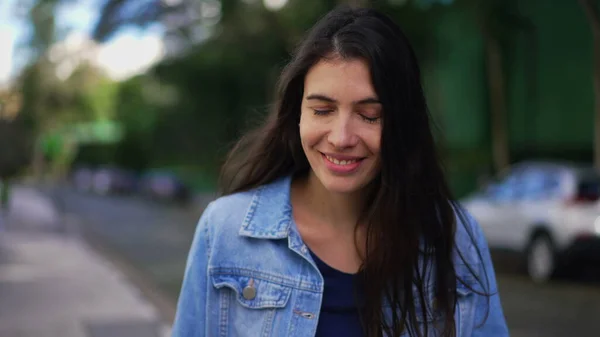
column 182, row 19
column 15, row 142
column 593, row 15
column 50, row 102
column 491, row 29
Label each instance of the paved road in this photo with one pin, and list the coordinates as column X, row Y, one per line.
column 565, row 308
column 54, row 285
column 157, row 238
column 154, row 236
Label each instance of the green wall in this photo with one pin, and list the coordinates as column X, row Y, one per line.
column 548, row 68
column 557, row 62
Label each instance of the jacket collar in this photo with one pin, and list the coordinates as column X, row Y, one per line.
column 269, row 215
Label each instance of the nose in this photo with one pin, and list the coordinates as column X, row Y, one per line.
column 341, row 134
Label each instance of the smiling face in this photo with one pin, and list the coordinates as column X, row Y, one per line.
column 340, row 124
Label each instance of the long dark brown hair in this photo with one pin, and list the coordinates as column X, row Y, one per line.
column 411, row 220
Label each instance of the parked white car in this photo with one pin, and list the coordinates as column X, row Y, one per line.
column 547, row 211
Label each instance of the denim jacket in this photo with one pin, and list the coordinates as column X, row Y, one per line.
column 250, row 274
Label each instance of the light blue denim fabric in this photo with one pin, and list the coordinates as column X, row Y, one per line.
column 249, row 240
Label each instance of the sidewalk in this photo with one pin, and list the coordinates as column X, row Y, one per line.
column 54, row 285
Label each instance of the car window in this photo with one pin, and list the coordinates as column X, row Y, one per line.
column 526, row 183
column 506, row 188
column 539, row 184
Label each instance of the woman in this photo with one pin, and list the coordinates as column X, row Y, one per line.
column 337, row 220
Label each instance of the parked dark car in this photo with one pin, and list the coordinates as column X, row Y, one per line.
column 82, row 178
column 104, row 180
column 165, row 186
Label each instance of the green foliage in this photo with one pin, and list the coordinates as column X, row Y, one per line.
column 15, row 147
column 138, row 117
column 225, row 85
column 186, row 112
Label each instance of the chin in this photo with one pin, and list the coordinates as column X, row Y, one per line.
column 343, row 184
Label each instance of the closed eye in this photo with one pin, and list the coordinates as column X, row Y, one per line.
column 321, row 112
column 371, row 120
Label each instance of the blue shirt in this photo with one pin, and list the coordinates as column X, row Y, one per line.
column 249, row 274
column 339, row 310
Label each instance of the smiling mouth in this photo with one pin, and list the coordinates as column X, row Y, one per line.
column 342, row 162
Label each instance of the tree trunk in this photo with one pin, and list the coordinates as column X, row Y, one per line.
column 497, row 99
column 38, row 162
column 593, row 16
column 4, row 195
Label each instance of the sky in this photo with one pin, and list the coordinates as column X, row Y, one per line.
column 8, row 31
column 129, row 52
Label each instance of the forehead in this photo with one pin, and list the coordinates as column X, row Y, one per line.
column 340, row 79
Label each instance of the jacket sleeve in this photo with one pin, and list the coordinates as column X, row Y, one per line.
column 489, row 316
column 190, row 317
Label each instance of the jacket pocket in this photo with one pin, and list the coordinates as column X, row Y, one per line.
column 433, row 321
column 467, row 295
column 250, row 305
column 254, row 293
column 434, row 318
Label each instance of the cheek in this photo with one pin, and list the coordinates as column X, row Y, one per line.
column 308, row 137
column 375, row 145
column 310, row 133
column 372, row 139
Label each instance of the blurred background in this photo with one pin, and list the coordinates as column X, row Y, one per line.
column 115, row 116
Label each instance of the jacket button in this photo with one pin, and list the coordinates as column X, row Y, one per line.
column 249, row 292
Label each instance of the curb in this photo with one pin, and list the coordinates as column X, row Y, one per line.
column 166, row 305
column 73, row 225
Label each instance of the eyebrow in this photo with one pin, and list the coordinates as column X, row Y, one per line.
column 320, row 97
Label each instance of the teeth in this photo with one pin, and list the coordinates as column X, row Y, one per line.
column 341, row 162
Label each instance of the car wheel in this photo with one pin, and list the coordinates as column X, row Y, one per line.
column 541, row 258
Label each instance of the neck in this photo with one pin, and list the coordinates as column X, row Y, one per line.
column 341, row 211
